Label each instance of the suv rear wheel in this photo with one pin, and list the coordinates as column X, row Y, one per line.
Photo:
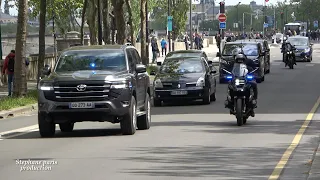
column 46, row 127
column 128, row 123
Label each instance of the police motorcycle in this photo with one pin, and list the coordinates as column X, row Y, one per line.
column 240, row 92
column 288, row 54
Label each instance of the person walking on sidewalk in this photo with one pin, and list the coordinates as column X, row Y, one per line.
column 155, row 49
column 8, row 67
column 164, row 47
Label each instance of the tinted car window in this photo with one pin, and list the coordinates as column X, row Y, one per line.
column 178, row 55
column 233, row 49
column 299, row 41
column 182, row 66
column 136, row 56
column 91, row 60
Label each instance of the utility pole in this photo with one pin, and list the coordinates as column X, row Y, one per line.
column 147, row 31
column 169, row 33
column 173, row 26
column 99, row 24
column 190, row 22
column 54, row 34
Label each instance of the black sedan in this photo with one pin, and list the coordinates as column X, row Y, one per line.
column 185, row 79
column 303, row 47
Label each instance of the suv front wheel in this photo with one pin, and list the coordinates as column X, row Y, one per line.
column 46, row 126
column 144, row 121
column 128, row 123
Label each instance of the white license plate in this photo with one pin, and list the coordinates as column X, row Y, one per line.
column 175, row 93
column 81, row 105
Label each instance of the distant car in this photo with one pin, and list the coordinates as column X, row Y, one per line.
column 183, row 78
column 303, row 47
column 253, row 50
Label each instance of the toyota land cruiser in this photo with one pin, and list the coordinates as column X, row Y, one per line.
column 95, row 83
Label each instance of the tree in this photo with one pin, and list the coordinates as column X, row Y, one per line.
column 83, row 15
column 20, row 79
column 236, row 13
column 106, row 21
column 42, row 37
column 92, row 17
column 128, row 3
column 143, row 26
column 120, row 22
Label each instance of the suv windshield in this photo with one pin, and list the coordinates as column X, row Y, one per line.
column 233, row 49
column 182, row 66
column 92, row 60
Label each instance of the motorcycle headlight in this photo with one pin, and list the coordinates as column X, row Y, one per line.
column 45, row 86
column 201, row 82
column 307, row 50
column 157, row 83
column 237, row 82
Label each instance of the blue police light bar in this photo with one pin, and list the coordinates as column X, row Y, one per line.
column 249, row 77
column 92, row 64
column 229, row 77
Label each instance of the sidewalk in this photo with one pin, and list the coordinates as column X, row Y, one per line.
column 314, row 173
column 4, row 88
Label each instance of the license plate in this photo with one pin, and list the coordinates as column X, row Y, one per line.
column 177, row 93
column 81, row 105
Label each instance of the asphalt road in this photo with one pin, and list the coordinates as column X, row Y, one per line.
column 185, row 141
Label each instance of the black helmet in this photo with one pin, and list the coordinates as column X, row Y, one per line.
column 240, row 58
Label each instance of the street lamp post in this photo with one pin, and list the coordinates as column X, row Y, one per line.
column 169, row 33
column 190, row 22
column 237, row 6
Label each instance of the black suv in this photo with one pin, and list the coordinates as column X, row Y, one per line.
column 95, row 83
column 253, row 50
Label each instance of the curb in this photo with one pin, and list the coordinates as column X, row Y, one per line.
column 17, row 111
column 314, row 173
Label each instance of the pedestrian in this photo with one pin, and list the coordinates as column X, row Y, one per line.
column 8, row 67
column 186, row 41
column 163, row 47
column 155, row 49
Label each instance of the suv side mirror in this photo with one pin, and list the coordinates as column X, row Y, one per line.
column 153, row 73
column 158, row 63
column 218, row 54
column 140, row 68
column 46, row 70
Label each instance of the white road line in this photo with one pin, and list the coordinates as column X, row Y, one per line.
column 309, row 65
column 18, row 132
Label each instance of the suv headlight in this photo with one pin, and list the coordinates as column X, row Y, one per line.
column 157, row 84
column 201, row 82
column 45, row 86
column 121, row 85
column 307, row 50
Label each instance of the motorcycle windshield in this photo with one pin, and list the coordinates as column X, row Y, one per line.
column 239, row 70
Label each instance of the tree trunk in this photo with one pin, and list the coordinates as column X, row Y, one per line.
column 106, row 21
column 120, row 22
column 143, row 53
column 85, row 5
column 92, row 21
column 128, row 3
column 20, row 79
column 42, row 37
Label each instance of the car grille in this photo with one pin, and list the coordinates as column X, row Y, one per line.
column 173, row 85
column 94, row 91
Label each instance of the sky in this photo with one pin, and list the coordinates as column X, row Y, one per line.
column 14, row 12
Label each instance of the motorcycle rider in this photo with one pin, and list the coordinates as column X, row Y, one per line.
column 287, row 47
column 241, row 58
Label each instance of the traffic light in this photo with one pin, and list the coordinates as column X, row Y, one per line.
column 222, row 9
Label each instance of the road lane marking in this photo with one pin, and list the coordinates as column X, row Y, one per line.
column 18, row 132
column 295, row 142
column 309, row 65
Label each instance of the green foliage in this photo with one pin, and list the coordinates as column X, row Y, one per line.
column 236, row 13
column 63, row 11
column 14, row 102
column 178, row 11
column 209, row 25
column 12, row 29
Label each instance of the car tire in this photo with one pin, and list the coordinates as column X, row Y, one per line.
column 213, row 97
column 46, row 126
column 156, row 102
column 66, row 127
column 144, row 121
column 207, row 98
column 128, row 123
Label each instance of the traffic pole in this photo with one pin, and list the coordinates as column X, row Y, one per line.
column 222, row 11
column 190, row 23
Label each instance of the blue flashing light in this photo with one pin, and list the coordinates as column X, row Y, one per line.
column 93, row 72
column 229, row 77
column 92, row 64
column 249, row 77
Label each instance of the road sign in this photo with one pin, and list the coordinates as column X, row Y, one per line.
column 222, row 17
column 265, row 25
column 169, row 23
column 315, row 24
column 222, row 25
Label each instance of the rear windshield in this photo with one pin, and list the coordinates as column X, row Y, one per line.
column 182, row 55
column 92, row 60
column 182, row 66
